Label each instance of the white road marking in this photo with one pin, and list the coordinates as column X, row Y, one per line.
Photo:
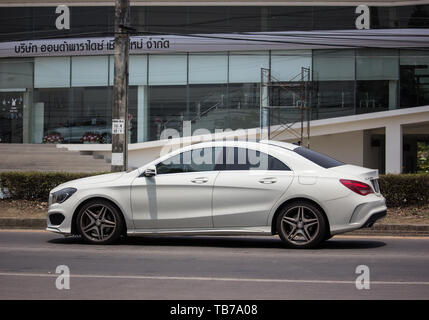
column 137, row 277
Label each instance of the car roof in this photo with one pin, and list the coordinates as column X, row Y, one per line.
column 238, row 143
column 281, row 144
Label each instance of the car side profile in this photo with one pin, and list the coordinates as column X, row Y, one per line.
column 223, row 188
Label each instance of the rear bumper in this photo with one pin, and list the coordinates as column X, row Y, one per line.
column 364, row 215
column 373, row 218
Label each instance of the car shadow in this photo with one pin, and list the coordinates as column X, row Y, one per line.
column 228, row 242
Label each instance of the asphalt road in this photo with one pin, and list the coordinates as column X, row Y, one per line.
column 211, row 268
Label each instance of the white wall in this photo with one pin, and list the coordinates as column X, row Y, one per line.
column 346, row 147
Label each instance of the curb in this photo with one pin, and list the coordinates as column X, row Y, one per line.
column 378, row 229
column 22, row 223
column 395, row 230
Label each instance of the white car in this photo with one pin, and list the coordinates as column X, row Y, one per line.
column 223, row 188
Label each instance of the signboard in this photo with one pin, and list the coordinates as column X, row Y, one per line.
column 118, row 126
column 380, row 38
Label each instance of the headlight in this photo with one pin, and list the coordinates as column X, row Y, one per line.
column 62, row 195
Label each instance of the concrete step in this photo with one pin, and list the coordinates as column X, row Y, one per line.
column 47, row 157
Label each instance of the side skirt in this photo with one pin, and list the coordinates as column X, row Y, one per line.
column 262, row 231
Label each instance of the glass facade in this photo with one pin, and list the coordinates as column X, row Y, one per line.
column 69, row 99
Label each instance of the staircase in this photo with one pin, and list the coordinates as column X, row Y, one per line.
column 47, row 157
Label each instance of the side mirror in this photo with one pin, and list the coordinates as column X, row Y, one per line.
column 150, row 171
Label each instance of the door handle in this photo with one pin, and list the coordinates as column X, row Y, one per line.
column 199, row 180
column 268, row 180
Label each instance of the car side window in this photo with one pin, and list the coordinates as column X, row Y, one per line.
column 173, row 164
column 248, row 159
column 197, row 160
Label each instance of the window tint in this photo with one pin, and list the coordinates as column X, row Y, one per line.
column 318, row 158
column 171, row 165
column 248, row 159
column 197, row 160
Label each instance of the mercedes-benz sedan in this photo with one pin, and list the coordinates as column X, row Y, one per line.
column 223, row 188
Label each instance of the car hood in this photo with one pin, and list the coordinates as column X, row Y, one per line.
column 102, row 178
column 356, row 171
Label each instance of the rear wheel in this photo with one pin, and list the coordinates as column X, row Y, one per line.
column 99, row 222
column 301, row 225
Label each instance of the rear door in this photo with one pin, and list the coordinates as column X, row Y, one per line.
column 245, row 191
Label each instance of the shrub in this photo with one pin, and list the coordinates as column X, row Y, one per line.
column 401, row 190
column 34, row 185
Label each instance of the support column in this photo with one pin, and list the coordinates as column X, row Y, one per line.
column 38, row 122
column 142, row 114
column 26, row 122
column 394, row 150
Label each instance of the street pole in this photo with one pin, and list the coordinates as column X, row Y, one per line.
column 120, row 88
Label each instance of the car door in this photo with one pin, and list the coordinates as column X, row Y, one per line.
column 179, row 195
column 245, row 192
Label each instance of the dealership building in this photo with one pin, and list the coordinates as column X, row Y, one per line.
column 199, row 64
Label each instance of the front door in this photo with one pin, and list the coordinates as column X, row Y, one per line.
column 179, row 196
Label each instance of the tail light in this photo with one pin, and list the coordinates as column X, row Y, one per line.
column 359, row 187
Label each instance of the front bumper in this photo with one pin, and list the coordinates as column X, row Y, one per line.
column 61, row 226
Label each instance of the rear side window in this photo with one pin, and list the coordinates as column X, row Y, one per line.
column 245, row 159
column 318, row 158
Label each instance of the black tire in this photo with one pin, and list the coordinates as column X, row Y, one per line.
column 305, row 231
column 99, row 222
column 328, row 236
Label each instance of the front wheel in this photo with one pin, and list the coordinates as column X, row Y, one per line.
column 301, row 225
column 99, row 222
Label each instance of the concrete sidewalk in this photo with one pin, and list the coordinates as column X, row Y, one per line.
column 377, row 229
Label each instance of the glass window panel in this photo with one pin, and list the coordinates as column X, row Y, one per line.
column 52, row 72
column 243, row 105
column 286, row 65
column 52, row 109
column 377, row 64
column 16, row 74
column 207, row 106
column 246, row 66
column 167, row 69
column 137, row 70
column 168, row 109
column 334, row 99
column 333, row 65
column 373, row 96
column 248, row 159
column 89, row 71
column 208, row 68
column 91, row 115
column 414, row 74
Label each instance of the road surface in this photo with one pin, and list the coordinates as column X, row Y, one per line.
column 211, row 268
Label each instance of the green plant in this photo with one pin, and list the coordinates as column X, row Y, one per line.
column 422, row 157
column 402, row 190
column 34, row 185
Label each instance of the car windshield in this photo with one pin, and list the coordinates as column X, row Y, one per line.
column 318, row 158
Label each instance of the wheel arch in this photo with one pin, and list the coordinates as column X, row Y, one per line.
column 291, row 200
column 76, row 211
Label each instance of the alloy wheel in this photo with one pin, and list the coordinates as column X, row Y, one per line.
column 98, row 223
column 300, row 225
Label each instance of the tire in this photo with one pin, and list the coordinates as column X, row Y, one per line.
column 328, row 236
column 99, row 222
column 301, row 224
